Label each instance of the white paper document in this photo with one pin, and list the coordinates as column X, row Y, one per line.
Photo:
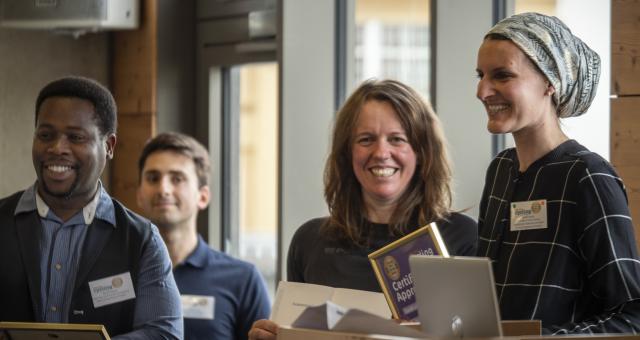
column 292, row 298
column 330, row 316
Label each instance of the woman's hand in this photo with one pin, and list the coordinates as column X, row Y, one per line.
column 263, row 330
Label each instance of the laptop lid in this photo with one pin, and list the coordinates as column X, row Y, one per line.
column 456, row 296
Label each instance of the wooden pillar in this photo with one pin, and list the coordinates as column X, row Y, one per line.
column 625, row 102
column 134, row 87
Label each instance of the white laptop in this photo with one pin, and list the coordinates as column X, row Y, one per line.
column 456, row 296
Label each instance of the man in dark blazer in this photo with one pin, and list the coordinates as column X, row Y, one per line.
column 69, row 253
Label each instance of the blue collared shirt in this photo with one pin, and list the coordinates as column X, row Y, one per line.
column 157, row 305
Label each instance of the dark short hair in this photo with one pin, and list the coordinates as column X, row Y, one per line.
column 181, row 144
column 88, row 89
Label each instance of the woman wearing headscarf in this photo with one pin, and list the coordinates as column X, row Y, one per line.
column 553, row 216
column 387, row 174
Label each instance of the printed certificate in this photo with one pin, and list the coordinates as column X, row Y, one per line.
column 391, row 266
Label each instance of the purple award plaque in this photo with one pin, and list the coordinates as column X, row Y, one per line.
column 391, row 266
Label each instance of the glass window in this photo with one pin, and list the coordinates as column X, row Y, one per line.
column 258, row 165
column 392, row 41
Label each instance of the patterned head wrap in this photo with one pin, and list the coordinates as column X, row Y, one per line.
column 570, row 65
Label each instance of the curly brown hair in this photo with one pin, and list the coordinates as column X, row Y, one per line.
column 428, row 196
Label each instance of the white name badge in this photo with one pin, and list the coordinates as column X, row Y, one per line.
column 198, row 306
column 529, row 215
column 112, row 289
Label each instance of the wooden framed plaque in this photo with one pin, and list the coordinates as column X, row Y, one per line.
column 48, row 331
column 391, row 266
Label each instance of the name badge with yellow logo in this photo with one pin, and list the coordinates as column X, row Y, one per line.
column 528, row 215
column 112, row 289
column 198, row 306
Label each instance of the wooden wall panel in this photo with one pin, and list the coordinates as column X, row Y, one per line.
column 135, row 64
column 625, row 131
column 625, row 47
column 135, row 90
column 131, row 139
column 625, row 150
column 625, row 105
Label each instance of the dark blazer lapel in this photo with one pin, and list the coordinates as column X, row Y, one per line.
column 28, row 228
column 97, row 237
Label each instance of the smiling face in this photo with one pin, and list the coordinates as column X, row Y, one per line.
column 69, row 152
column 382, row 157
column 516, row 95
column 168, row 193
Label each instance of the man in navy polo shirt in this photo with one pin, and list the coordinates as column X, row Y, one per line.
column 221, row 296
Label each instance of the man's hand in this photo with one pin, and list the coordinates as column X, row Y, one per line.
column 263, row 330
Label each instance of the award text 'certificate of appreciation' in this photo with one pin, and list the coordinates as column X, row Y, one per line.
column 391, row 266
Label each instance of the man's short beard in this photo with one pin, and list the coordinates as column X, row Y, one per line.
column 65, row 195
column 165, row 226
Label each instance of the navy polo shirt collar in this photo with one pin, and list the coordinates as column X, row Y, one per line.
column 199, row 257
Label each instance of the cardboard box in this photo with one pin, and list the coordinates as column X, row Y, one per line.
column 511, row 328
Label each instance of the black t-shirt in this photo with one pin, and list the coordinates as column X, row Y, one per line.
column 315, row 258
